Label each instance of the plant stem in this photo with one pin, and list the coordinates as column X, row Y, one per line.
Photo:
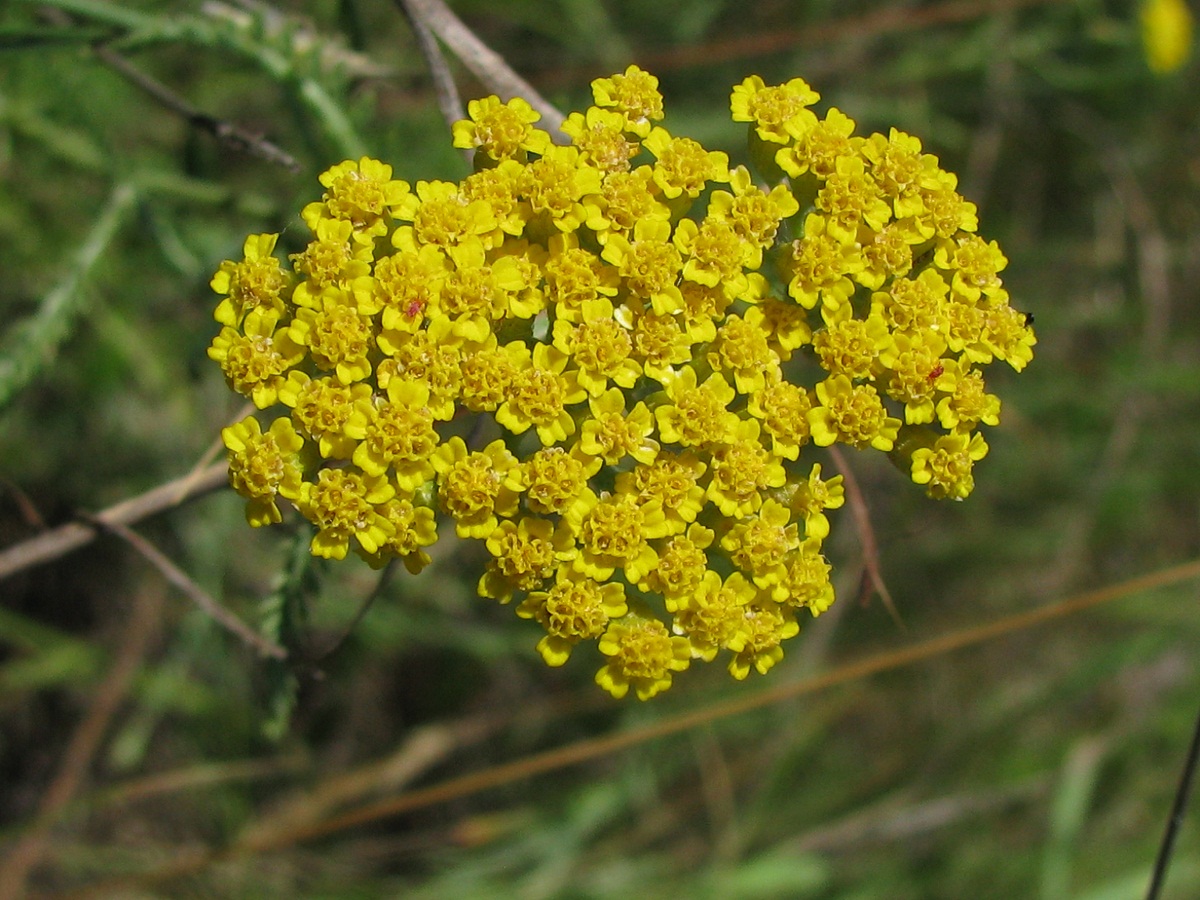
column 1176, row 820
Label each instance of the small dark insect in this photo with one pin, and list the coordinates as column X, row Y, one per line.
column 1028, row 317
column 936, row 372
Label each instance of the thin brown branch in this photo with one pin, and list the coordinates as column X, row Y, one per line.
column 872, row 576
column 85, row 742
column 57, row 542
column 595, row 748
column 27, row 508
column 232, row 136
column 198, row 777
column 181, row 580
column 483, row 62
column 604, row 747
column 449, row 102
column 226, row 133
column 217, row 447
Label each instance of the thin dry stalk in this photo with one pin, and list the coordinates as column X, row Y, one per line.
column 892, row 19
column 381, row 584
column 197, row 778
column 894, row 821
column 449, row 102
column 586, row 750
column 57, row 542
column 180, row 579
column 423, row 749
column 872, row 575
column 484, row 63
column 1175, row 820
column 226, row 133
column 25, row 505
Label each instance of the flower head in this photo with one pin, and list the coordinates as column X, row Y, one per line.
column 264, row 466
column 634, row 95
column 500, row 130
column 257, row 283
column 1166, row 34
column 642, row 654
column 778, row 113
column 362, row 193
column 573, row 609
column 615, row 364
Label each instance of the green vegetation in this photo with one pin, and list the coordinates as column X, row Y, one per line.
column 415, row 745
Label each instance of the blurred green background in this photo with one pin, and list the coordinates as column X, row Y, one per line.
column 1040, row 765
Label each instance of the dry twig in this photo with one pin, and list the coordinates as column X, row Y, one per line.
column 872, row 576
column 449, row 102
column 180, row 579
column 226, row 133
column 483, row 62
column 50, row 545
column 890, row 19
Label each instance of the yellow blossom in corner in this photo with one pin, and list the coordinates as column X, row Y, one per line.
column 1166, row 34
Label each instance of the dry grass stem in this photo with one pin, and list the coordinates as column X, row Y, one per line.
column 483, row 62
column 448, row 100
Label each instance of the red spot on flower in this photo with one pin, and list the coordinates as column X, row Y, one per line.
column 414, row 309
column 936, row 372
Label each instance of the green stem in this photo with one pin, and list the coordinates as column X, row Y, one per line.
column 148, row 29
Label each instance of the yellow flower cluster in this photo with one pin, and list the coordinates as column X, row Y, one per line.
column 604, row 359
